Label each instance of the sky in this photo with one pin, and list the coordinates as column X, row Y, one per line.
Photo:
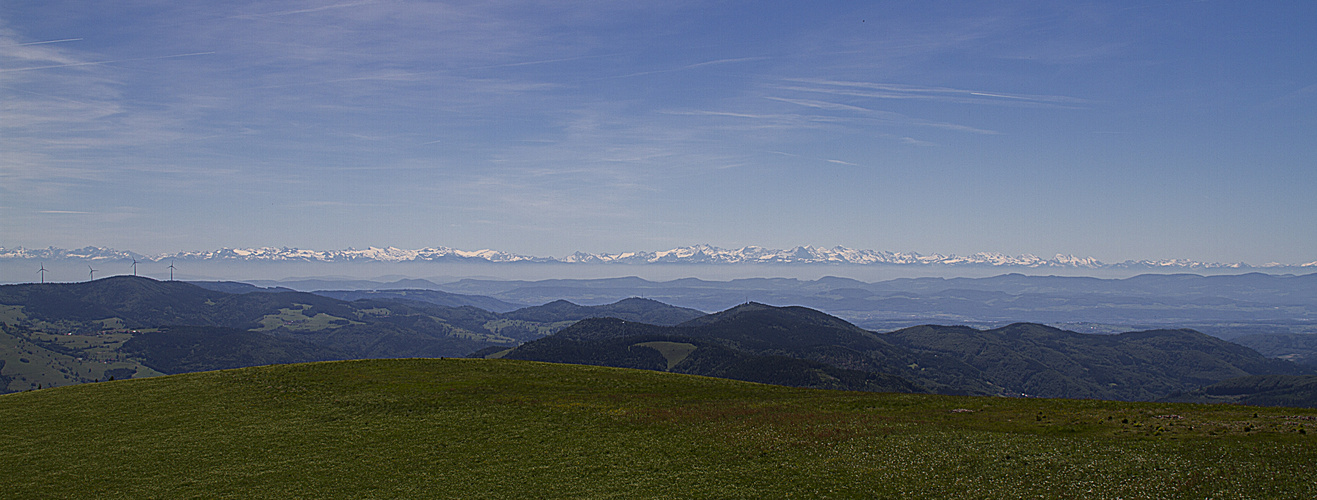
column 1114, row 130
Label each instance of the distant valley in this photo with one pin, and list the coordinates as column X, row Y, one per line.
column 1226, row 306
column 61, row 334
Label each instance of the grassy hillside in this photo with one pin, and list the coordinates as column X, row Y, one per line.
column 501, row 428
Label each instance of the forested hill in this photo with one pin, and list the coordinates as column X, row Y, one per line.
column 1257, row 390
column 1021, row 359
column 1038, row 360
column 61, row 334
column 691, row 350
column 632, row 309
column 125, row 326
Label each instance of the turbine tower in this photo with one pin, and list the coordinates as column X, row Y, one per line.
column 91, row 273
column 43, row 272
column 171, row 270
column 134, row 266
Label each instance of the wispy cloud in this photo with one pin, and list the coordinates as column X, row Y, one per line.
column 338, row 204
column 749, row 121
column 97, row 63
column 887, row 116
column 543, row 61
column 916, row 142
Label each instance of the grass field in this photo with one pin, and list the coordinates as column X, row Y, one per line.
column 500, row 428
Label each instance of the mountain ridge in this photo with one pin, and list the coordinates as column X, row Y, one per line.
column 754, row 341
column 694, row 254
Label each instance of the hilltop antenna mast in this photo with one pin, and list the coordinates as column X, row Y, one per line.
column 91, row 273
column 171, row 270
column 43, row 272
column 134, row 266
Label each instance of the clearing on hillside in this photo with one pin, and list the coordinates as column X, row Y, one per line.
column 673, row 352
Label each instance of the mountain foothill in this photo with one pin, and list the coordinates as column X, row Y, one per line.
column 124, row 326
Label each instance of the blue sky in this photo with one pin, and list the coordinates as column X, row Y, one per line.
column 1117, row 130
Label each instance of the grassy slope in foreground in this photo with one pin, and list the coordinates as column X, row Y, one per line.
column 502, row 428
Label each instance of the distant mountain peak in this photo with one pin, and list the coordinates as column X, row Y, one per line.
column 695, row 254
column 781, row 315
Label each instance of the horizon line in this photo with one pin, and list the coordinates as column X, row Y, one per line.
column 701, row 254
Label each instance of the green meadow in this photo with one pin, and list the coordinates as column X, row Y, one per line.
column 459, row 428
column 296, row 320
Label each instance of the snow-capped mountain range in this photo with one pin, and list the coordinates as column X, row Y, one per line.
column 698, row 254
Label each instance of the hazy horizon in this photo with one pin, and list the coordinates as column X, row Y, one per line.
column 18, row 271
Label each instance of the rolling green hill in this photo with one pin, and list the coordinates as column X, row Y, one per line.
column 513, row 429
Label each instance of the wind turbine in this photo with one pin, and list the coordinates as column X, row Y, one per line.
column 43, row 272
column 134, row 266
column 171, row 270
column 91, row 273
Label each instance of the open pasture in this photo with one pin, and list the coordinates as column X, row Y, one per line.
column 502, row 428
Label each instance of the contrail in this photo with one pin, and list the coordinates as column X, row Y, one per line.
column 314, row 9
column 985, row 94
column 683, row 68
column 48, row 41
column 103, row 62
column 724, row 61
column 544, row 61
